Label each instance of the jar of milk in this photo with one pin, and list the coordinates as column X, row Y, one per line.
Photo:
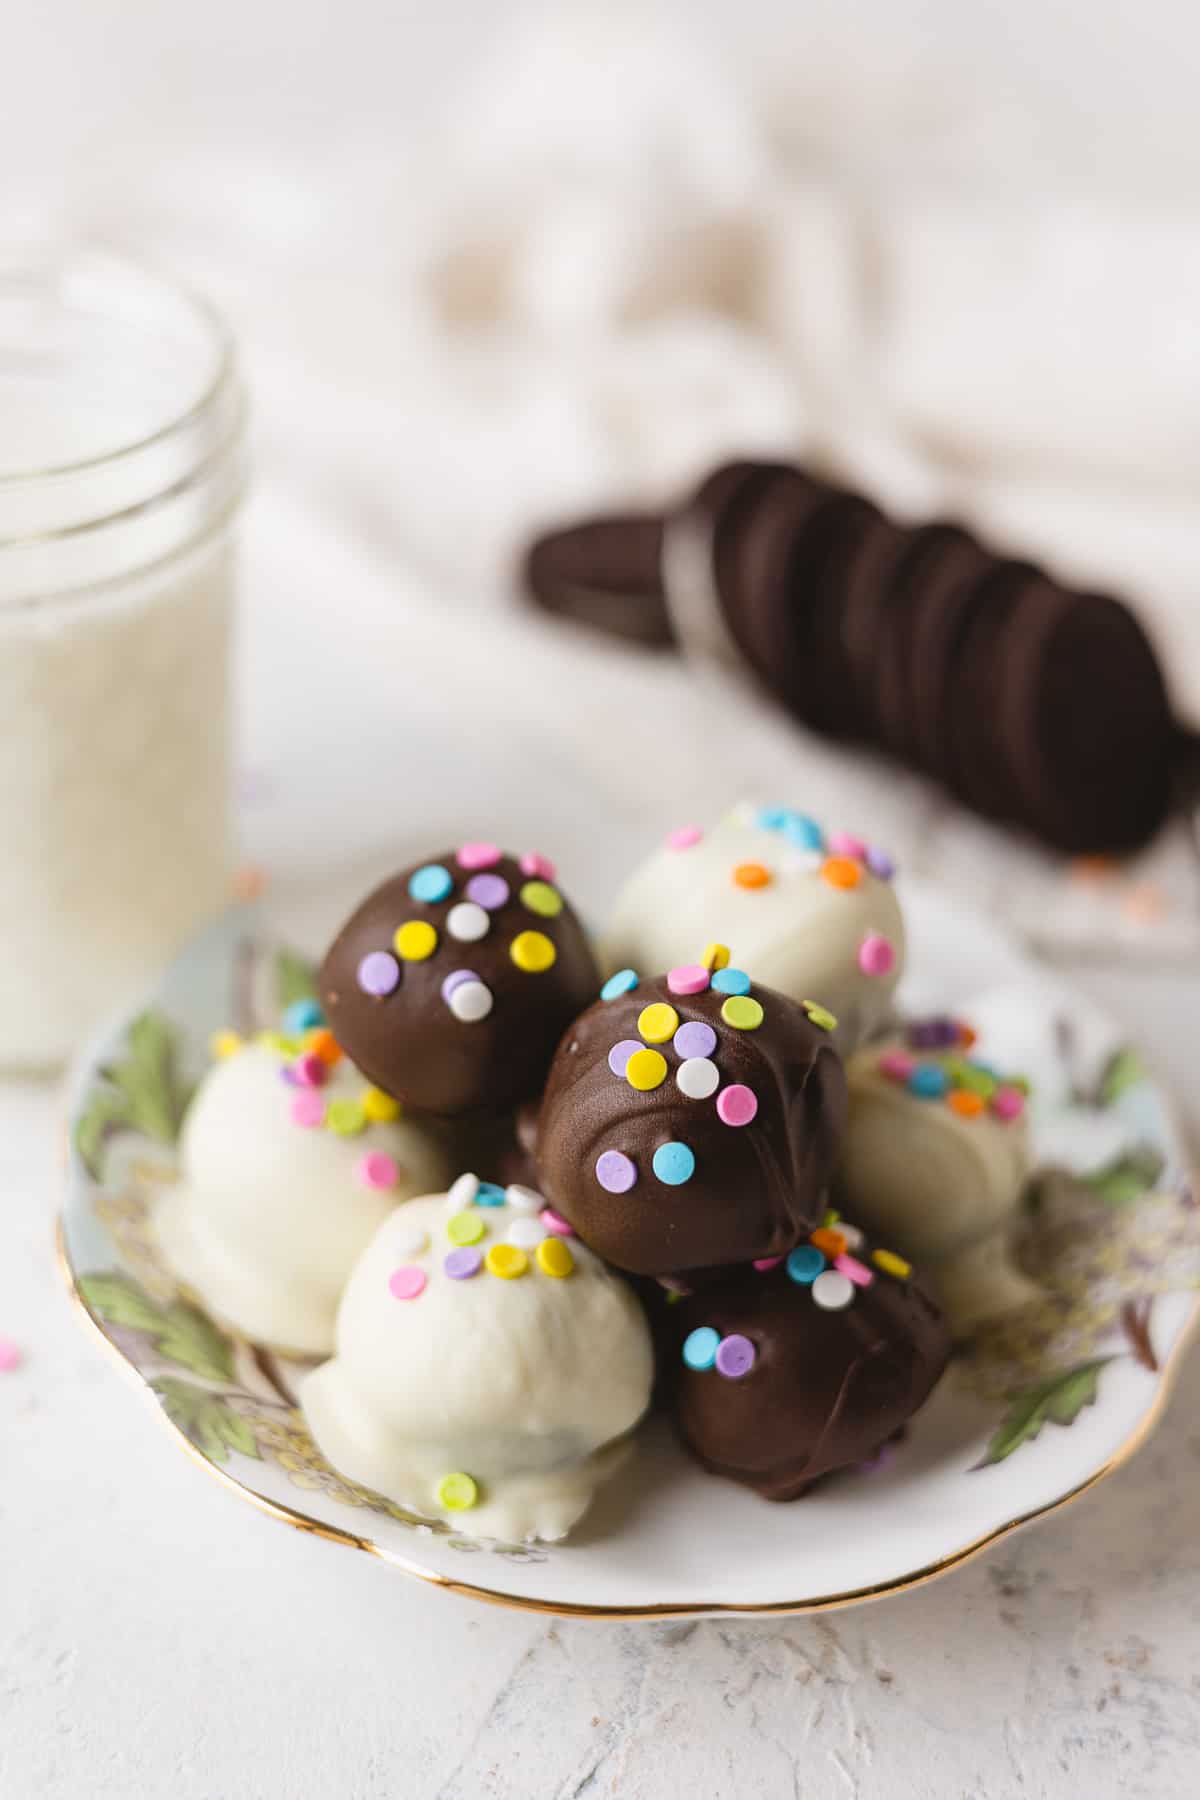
column 122, row 427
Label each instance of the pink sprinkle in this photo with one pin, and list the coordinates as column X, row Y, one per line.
column 377, row 1170
column 10, row 1356
column 478, row 856
column 843, row 843
column 310, row 1071
column 876, row 955
column 537, row 866
column 554, row 1221
column 896, row 1065
column 736, row 1105
column 406, row 1283
column 308, row 1109
column 1008, row 1103
column 689, row 979
column 683, row 837
column 853, row 1270
column 763, row 1263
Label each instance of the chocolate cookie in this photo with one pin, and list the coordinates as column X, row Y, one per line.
column 451, row 984
column 691, row 1121
column 789, row 1373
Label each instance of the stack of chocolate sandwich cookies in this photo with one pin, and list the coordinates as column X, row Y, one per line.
column 1038, row 706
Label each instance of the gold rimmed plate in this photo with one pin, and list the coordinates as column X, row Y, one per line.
column 1044, row 1406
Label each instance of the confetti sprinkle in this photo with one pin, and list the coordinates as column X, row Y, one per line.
column 966, row 1104
column 731, row 981
column 691, row 978
column 415, row 940
column 716, row 956
column 523, row 1199
column 408, row 1240
column 302, row 1016
column 506, row 1261
column 658, row 1022
column 467, row 922
column 752, row 875
column 698, row 1078
column 471, row 1002
column 466, row 1228
column 525, row 1233
column 554, row 1222
column 462, row 1263
column 853, row 1270
column 828, row 1241
column 457, row 1492
column 489, row 891
column 308, row 1109
column 880, row 864
column 820, row 1016
column 804, row 1264
column 10, row 1356
column 891, row 1264
column 309, row 1071
column 700, row 1348
column 876, row 956
column 619, row 1055
column 742, row 1013
column 897, row 1065
column 378, row 973
column 623, row 982
column 737, row 1105
column 406, row 1283
column 322, row 1043
column 478, row 856
column 844, row 843
column 1008, row 1103
column 538, row 867
column 554, row 1258
column 684, row 837
column 841, row 872
column 833, row 1290
column 379, row 1107
column 377, row 1170
column 430, row 884
column 224, row 1043
column 346, row 1118
column 804, row 832
column 539, row 897
column 533, row 952
column 673, row 1164
column 695, row 1039
column 463, row 1190
column 928, row 1082
column 615, row 1171
column 646, row 1070
column 735, row 1356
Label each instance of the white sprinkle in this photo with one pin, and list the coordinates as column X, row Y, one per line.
column 409, row 1240
column 698, row 1077
column 471, row 1002
column 851, row 1233
column 526, row 1233
column 463, row 1191
column 467, row 922
column 524, row 1199
column 833, row 1290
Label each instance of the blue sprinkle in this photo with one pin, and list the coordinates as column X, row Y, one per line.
column 302, row 1015
column 489, row 1194
column 623, row 982
column 731, row 981
column 771, row 818
column 431, row 884
column 805, row 1263
column 804, row 832
column 673, row 1164
column 928, row 1082
column 700, row 1347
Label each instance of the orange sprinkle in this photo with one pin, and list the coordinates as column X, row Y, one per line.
column 967, row 1035
column 1092, row 868
column 321, row 1041
column 966, row 1104
column 831, row 1242
column 751, row 875
column 841, row 871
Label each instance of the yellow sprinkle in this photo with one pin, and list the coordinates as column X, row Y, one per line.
column 743, row 1013
column 457, row 1492
column 465, row 1228
column 820, row 1016
column 831, row 1217
column 645, row 1070
column 345, row 1117
column 379, row 1107
column 278, row 1041
column 415, row 940
column 532, row 951
column 716, row 956
column 554, row 1258
column 658, row 1022
column 541, row 898
column 224, row 1043
column 891, row 1264
column 507, row 1261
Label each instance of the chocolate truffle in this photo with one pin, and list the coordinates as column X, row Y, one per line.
column 451, row 984
column 788, row 1373
column 692, row 1120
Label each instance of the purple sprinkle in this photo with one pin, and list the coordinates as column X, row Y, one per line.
column 488, row 891
column 735, row 1357
column 620, row 1054
column 456, row 979
column 460, row 1265
column 695, row 1039
column 938, row 1033
column 880, row 863
column 378, row 973
column 288, row 1074
column 615, row 1171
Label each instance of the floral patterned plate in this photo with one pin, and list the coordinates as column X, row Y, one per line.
column 1049, row 1401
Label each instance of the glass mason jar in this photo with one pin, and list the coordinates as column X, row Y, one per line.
column 122, row 431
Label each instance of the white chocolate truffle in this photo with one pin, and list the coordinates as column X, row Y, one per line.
column 935, row 1160
column 271, row 1213
column 462, row 1353
column 813, row 914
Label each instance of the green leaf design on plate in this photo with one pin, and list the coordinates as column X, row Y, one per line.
column 140, row 1092
column 1060, row 1398
column 182, row 1334
column 206, row 1420
column 295, row 979
column 1127, row 1177
column 1124, row 1069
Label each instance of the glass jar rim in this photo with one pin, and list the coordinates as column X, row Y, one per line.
column 52, row 264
